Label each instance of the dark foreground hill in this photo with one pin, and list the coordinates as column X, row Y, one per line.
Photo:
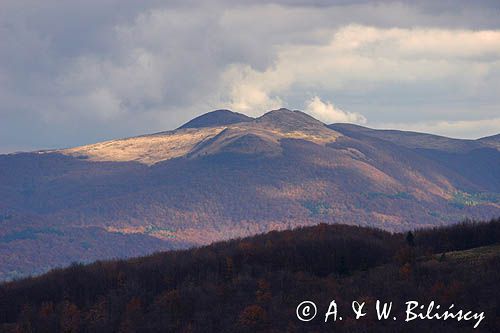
column 255, row 284
column 224, row 175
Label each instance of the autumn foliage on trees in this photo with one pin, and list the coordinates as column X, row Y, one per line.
column 254, row 284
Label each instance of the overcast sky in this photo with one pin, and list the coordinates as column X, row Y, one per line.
column 78, row 72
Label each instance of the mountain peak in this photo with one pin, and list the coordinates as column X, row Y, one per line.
column 216, row 118
column 289, row 120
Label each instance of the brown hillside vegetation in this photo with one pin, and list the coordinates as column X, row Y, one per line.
column 254, row 284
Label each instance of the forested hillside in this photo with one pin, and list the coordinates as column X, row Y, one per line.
column 255, row 284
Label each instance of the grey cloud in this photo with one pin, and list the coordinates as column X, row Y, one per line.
column 83, row 71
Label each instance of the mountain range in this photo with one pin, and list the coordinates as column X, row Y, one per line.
column 226, row 175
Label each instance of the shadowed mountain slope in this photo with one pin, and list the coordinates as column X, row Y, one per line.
column 475, row 160
column 493, row 141
column 412, row 140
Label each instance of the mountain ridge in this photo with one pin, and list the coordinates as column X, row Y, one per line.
column 150, row 149
column 224, row 117
column 193, row 186
column 412, row 139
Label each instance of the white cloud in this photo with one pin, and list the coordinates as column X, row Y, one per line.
column 249, row 91
column 419, row 69
column 362, row 58
column 328, row 113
